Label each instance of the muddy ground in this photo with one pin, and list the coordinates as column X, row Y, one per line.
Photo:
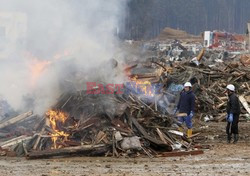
column 221, row 159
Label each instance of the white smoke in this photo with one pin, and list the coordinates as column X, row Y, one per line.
column 63, row 34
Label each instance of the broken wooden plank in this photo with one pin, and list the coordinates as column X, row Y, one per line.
column 146, row 135
column 44, row 128
column 178, row 133
column 181, row 115
column 84, row 150
column 164, row 137
column 181, row 153
column 14, row 141
column 164, row 68
column 16, row 119
column 202, row 146
column 114, row 151
column 121, row 126
column 244, row 103
column 149, row 154
column 221, row 104
column 161, row 135
column 221, row 117
column 100, row 136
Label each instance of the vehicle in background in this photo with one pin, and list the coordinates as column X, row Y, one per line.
column 224, row 41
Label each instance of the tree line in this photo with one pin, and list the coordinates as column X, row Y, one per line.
column 145, row 19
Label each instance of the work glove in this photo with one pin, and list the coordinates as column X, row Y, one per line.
column 191, row 114
column 230, row 118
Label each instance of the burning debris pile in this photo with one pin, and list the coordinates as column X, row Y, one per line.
column 110, row 125
column 136, row 119
column 91, row 123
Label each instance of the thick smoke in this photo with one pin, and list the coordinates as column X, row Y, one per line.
column 45, row 44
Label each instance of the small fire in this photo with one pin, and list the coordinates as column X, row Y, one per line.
column 37, row 67
column 144, row 86
column 55, row 117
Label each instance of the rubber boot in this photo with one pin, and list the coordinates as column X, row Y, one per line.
column 236, row 138
column 229, row 138
column 189, row 133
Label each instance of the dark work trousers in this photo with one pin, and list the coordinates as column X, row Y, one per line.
column 233, row 127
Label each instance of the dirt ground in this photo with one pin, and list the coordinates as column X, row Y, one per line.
column 221, row 159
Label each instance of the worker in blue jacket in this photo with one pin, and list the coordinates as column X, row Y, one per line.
column 186, row 105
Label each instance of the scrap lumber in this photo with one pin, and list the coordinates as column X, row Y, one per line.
column 201, row 54
column 92, row 119
column 83, row 150
column 164, row 137
column 45, row 126
column 181, row 115
column 14, row 141
column 161, row 135
column 176, row 132
column 244, row 103
column 146, row 135
column 221, row 117
column 100, row 136
column 16, row 119
column 181, row 153
column 114, row 151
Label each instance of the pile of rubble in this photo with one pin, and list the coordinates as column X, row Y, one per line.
column 209, row 86
column 138, row 121
column 110, row 125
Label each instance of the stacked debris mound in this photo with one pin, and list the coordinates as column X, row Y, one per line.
column 209, row 83
column 138, row 121
column 90, row 124
column 131, row 123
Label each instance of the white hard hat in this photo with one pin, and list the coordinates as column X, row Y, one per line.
column 187, row 84
column 231, row 87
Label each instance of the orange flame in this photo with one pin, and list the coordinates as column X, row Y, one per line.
column 37, row 67
column 144, row 86
column 54, row 118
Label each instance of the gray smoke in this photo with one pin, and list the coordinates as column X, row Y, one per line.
column 43, row 43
